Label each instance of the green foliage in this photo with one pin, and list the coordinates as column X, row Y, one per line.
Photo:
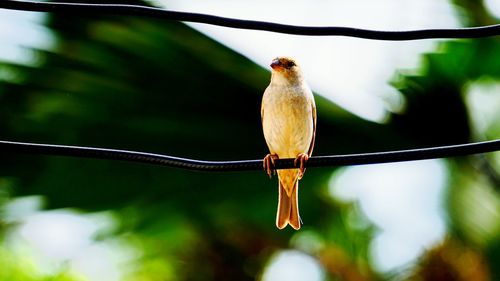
column 135, row 83
column 472, row 198
column 156, row 86
column 19, row 268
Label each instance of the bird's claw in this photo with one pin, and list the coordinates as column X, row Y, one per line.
column 302, row 159
column 269, row 163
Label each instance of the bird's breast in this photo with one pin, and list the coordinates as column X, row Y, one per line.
column 287, row 120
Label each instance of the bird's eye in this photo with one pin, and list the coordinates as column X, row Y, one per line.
column 290, row 64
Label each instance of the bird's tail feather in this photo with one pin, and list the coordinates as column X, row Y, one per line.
column 288, row 207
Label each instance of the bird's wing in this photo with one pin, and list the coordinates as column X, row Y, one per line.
column 262, row 113
column 311, row 146
column 262, row 106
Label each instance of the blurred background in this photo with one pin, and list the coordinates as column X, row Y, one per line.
column 194, row 91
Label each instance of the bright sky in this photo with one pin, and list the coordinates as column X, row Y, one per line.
column 493, row 6
column 293, row 265
column 354, row 73
column 19, row 30
column 403, row 200
column 54, row 238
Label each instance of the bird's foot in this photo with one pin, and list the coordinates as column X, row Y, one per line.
column 269, row 163
column 302, row 159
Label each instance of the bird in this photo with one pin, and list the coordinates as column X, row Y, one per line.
column 288, row 115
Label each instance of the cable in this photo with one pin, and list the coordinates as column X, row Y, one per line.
column 473, row 32
column 334, row 160
column 242, row 165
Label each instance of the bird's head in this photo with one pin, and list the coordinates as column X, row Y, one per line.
column 285, row 68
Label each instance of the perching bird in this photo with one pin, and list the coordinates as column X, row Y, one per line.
column 289, row 122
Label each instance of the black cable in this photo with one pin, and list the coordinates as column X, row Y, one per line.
column 353, row 159
column 8, row 147
column 473, row 32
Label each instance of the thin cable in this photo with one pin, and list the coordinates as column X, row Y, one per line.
column 8, row 147
column 472, row 32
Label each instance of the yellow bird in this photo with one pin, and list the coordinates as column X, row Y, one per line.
column 289, row 123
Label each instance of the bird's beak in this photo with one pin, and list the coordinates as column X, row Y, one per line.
column 276, row 64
